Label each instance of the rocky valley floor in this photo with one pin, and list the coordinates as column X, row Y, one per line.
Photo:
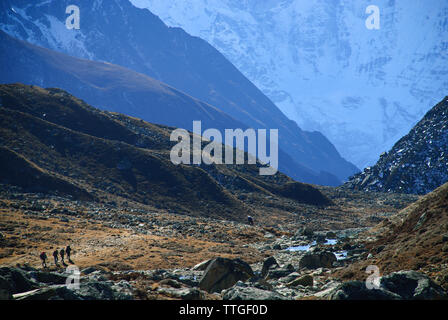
column 294, row 251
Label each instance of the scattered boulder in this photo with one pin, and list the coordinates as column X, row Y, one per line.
column 331, row 235
column 269, row 263
column 100, row 290
column 170, row 283
column 321, row 238
column 18, row 280
column 357, row 290
column 250, row 293
column 412, row 285
column 280, row 272
column 306, row 281
column 314, row 260
column 401, row 285
column 223, row 273
column 183, row 294
column 307, row 232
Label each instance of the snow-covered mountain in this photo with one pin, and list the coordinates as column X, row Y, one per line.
column 362, row 88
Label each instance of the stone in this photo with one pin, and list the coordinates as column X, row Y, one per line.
column 223, row 273
column 321, row 239
column 250, row 293
column 306, row 281
column 48, row 277
column 58, row 292
column 100, row 290
column 268, row 263
column 357, row 290
column 308, row 232
column 5, row 289
column 314, row 260
column 280, row 272
column 171, row 283
column 184, row 294
column 331, row 235
column 18, row 279
column 413, row 285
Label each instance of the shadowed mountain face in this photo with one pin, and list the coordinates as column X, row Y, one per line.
column 417, row 163
column 53, row 142
column 141, row 42
column 118, row 89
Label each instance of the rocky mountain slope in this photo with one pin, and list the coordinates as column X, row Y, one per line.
column 414, row 239
column 417, row 163
column 141, row 42
column 61, row 143
column 317, row 61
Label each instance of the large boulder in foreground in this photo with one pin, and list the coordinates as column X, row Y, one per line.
column 316, row 260
column 402, row 285
column 223, row 273
column 413, row 285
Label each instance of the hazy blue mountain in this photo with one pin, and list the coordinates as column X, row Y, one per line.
column 317, row 61
column 119, row 33
column 118, row 89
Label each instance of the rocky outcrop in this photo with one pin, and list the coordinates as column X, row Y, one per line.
column 31, row 284
column 222, row 273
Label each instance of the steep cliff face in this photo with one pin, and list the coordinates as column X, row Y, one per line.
column 417, row 163
column 317, row 61
column 142, row 42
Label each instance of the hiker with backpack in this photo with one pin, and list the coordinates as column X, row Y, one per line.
column 55, row 256
column 68, row 250
column 62, row 252
column 43, row 257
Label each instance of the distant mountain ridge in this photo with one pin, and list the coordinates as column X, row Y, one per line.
column 115, row 88
column 417, row 163
column 119, row 33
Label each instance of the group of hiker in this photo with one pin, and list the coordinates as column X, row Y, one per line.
column 63, row 252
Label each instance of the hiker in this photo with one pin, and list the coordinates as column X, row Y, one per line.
column 62, row 252
column 68, row 250
column 250, row 220
column 43, row 257
column 55, row 255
